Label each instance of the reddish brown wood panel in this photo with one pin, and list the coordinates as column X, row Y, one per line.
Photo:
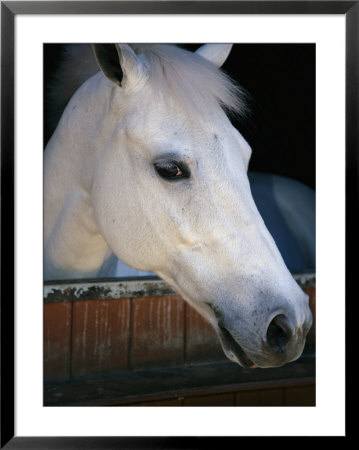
column 100, row 336
column 201, row 342
column 129, row 333
column 57, row 338
column 157, row 331
column 300, row 396
column 262, row 397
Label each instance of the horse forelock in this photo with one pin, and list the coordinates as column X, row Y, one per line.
column 191, row 81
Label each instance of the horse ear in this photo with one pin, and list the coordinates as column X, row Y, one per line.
column 215, row 53
column 109, row 62
column 119, row 63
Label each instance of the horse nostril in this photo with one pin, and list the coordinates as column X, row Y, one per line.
column 278, row 333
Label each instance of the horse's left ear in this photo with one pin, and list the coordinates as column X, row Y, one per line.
column 215, row 53
column 119, row 63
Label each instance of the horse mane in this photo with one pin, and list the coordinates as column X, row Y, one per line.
column 184, row 76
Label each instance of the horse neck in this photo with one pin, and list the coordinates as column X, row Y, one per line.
column 71, row 236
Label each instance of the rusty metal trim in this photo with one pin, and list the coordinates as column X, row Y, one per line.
column 77, row 290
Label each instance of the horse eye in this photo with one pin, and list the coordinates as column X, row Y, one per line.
column 171, row 170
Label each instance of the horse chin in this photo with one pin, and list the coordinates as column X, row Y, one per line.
column 233, row 350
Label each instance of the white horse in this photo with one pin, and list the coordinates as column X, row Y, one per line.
column 145, row 164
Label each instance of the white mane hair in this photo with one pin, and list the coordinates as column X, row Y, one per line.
column 190, row 80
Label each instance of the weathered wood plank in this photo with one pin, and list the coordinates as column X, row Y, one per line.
column 57, row 339
column 75, row 290
column 157, row 331
column 100, row 336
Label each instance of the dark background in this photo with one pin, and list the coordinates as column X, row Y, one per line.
column 280, row 81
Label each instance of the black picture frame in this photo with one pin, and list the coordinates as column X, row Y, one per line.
column 9, row 10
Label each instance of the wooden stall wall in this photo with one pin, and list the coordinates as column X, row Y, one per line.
column 95, row 332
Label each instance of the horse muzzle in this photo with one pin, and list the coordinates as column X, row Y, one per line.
column 283, row 342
